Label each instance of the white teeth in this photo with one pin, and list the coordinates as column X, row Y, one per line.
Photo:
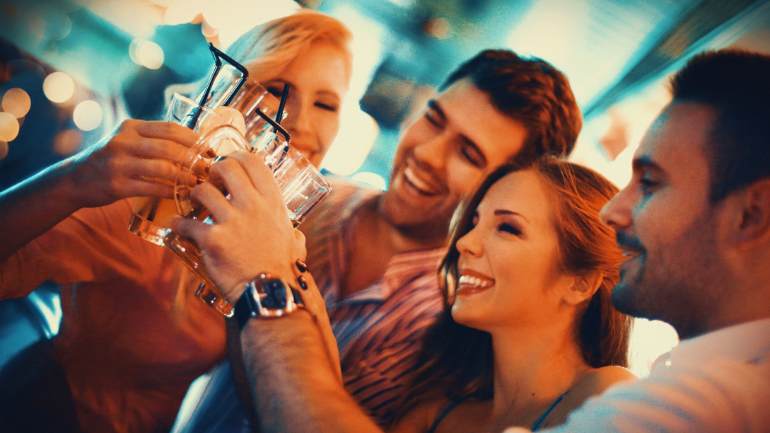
column 474, row 281
column 417, row 182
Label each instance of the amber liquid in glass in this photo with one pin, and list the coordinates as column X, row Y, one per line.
column 152, row 218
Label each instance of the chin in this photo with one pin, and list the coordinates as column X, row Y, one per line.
column 468, row 315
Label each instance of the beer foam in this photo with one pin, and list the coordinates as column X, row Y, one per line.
column 223, row 116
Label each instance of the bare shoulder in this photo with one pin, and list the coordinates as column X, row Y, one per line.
column 598, row 380
column 592, row 383
column 420, row 418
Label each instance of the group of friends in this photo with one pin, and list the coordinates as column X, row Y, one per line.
column 490, row 288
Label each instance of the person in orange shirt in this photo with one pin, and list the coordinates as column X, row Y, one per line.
column 133, row 337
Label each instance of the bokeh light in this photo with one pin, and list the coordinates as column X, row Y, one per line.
column 87, row 115
column 67, row 142
column 17, row 102
column 58, row 87
column 3, row 150
column 146, row 53
column 9, row 126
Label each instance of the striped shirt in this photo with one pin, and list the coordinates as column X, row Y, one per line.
column 378, row 329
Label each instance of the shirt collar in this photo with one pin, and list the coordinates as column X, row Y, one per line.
column 745, row 342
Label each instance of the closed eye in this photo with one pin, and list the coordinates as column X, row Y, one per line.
column 648, row 185
column 327, row 107
column 471, row 154
column 432, row 118
column 509, row 228
column 275, row 90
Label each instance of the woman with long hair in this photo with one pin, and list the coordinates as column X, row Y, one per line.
column 529, row 331
column 133, row 335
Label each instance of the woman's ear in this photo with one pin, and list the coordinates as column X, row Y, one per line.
column 583, row 288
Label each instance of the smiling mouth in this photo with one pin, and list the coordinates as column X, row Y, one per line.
column 419, row 185
column 472, row 284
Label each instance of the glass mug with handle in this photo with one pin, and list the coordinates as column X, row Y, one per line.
column 152, row 215
column 302, row 187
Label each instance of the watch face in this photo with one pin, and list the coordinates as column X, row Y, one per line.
column 274, row 296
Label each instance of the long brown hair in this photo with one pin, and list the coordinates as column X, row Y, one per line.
column 456, row 361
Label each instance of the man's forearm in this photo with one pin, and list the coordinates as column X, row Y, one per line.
column 295, row 388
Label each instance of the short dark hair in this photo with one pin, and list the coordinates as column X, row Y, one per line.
column 736, row 84
column 531, row 91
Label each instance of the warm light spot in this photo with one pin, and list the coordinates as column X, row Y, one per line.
column 649, row 340
column 146, row 53
column 87, row 115
column 67, row 142
column 368, row 178
column 3, row 149
column 58, row 87
column 181, row 11
column 17, row 102
column 358, row 132
column 9, row 126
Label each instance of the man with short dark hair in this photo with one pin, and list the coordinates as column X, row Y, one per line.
column 375, row 255
column 695, row 224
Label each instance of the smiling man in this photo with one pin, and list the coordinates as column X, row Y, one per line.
column 375, row 255
column 695, row 224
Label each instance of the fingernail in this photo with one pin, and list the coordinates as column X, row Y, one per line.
column 302, row 283
column 301, row 265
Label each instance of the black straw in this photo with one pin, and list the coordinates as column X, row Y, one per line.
column 282, row 105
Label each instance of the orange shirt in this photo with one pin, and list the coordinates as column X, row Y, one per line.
column 133, row 335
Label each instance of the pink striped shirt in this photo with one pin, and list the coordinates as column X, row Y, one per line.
column 379, row 328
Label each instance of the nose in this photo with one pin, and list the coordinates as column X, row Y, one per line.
column 298, row 123
column 433, row 152
column 470, row 244
column 616, row 213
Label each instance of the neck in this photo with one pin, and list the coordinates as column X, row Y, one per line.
column 403, row 239
column 532, row 367
column 737, row 306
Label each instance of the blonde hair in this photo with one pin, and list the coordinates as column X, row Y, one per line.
column 268, row 48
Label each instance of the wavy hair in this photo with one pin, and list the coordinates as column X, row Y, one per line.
column 456, row 361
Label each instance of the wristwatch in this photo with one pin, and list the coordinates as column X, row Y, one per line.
column 266, row 296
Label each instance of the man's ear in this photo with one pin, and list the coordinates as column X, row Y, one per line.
column 752, row 221
column 583, row 288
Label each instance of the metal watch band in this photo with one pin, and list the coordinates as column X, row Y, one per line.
column 266, row 296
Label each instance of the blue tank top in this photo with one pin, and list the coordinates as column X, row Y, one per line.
column 453, row 404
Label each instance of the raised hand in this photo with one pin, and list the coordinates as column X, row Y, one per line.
column 142, row 158
column 251, row 232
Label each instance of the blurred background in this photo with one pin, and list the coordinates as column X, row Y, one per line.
column 71, row 70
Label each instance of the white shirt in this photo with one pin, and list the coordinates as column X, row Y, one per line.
column 718, row 382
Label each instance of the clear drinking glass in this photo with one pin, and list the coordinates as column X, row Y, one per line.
column 302, row 188
column 151, row 215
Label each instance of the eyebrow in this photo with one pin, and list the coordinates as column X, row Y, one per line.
column 506, row 212
column 434, row 105
column 645, row 162
column 330, row 94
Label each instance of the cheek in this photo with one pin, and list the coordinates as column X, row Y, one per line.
column 326, row 128
column 462, row 178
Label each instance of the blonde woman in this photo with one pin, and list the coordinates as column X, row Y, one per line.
column 127, row 351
